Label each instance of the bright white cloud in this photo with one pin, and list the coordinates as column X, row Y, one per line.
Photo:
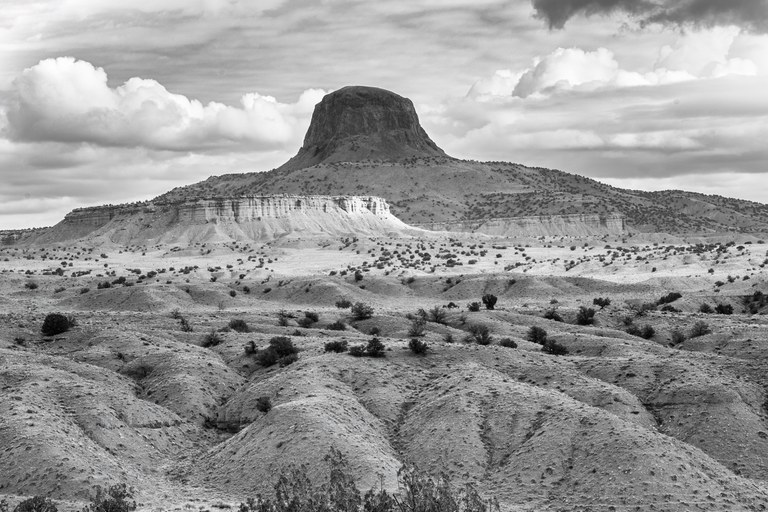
column 68, row 100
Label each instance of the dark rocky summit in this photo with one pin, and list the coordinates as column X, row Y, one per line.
column 363, row 123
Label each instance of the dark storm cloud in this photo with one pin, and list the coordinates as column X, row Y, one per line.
column 748, row 14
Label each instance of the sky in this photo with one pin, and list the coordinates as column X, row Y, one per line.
column 113, row 102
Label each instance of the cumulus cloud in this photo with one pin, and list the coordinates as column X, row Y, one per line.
column 748, row 14
column 694, row 55
column 69, row 100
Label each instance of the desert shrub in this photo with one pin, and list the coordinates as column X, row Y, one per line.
column 417, row 346
column 31, row 285
column 250, row 348
column 361, row 311
column 184, row 324
column 263, row 404
column 677, row 336
column 311, row 315
column 3, row 505
column 289, row 359
column 267, row 357
column 417, row 328
column 117, row 498
column 489, row 301
column 36, row 504
column 473, row 306
column 305, row 322
column 480, row 334
column 647, row 332
column 374, row 331
column 282, row 319
column 508, row 343
column 103, row 285
column 374, row 348
column 418, row 492
column 239, row 325
column 633, row 330
column 337, row 346
column 357, row 350
column 283, row 346
column 246, row 290
column 552, row 314
column 232, row 293
column 700, row 328
column 212, row 339
column 724, row 309
column 537, row 335
column 84, row 290
column 338, row 325
column 705, row 308
column 668, row 298
column 601, row 302
column 343, row 304
column 59, row 289
column 56, row 323
column 554, row 348
column 448, row 338
column 437, row 315
column 585, row 316
column 670, row 309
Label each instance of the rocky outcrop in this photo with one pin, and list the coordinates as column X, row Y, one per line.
column 224, row 219
column 363, row 123
column 544, row 225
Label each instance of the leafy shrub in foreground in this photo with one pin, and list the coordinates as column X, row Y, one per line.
column 437, row 315
column 418, row 492
column 117, row 498
column 56, row 323
column 36, row 504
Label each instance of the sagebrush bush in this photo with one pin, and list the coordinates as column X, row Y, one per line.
column 417, row 328
column 361, row 311
column 343, row 304
column 337, row 346
column 480, row 334
column 489, row 300
column 647, row 332
column 374, row 348
column 117, row 498
column 552, row 314
column 601, row 302
column 537, row 335
column 668, row 298
column 437, row 315
column 554, row 348
column 338, row 325
column 239, row 325
column 417, row 346
column 36, row 504
column 507, row 342
column 211, row 339
column 263, row 404
column 31, row 285
column 56, row 323
column 677, row 336
column 700, row 328
column 473, row 307
column 724, row 309
column 312, row 316
column 705, row 308
column 585, row 316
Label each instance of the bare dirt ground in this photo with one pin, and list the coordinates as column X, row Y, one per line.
column 646, row 411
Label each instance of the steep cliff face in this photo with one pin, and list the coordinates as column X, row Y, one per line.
column 236, row 218
column 363, row 123
column 542, row 225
